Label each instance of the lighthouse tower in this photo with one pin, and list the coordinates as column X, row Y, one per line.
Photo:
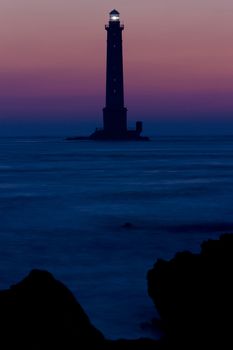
column 115, row 113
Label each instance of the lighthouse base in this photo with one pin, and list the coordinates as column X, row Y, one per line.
column 103, row 135
column 129, row 135
column 100, row 135
column 113, row 135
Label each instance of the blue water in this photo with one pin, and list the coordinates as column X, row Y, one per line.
column 63, row 204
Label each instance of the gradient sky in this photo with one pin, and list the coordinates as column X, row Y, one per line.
column 178, row 59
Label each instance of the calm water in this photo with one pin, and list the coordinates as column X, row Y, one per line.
column 63, row 205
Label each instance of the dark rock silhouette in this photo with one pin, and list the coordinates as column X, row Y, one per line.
column 127, row 225
column 193, row 294
column 41, row 313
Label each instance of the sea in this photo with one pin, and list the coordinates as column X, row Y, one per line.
column 65, row 205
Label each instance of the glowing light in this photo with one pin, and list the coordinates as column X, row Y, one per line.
column 114, row 18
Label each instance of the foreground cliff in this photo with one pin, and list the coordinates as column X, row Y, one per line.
column 193, row 294
column 41, row 313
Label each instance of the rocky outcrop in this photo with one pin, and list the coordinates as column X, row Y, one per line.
column 193, row 294
column 41, row 313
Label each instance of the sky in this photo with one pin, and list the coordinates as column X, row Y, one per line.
column 178, row 61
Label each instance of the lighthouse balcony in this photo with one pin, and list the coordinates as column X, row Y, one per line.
column 121, row 26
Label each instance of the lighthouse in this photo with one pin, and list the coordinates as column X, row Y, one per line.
column 115, row 112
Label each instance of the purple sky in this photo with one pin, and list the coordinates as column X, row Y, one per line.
column 178, row 59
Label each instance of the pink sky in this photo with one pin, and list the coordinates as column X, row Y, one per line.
column 178, row 57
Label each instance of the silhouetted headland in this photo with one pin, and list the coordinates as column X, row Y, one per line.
column 115, row 112
column 192, row 293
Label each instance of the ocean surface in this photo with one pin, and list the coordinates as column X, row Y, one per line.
column 63, row 206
